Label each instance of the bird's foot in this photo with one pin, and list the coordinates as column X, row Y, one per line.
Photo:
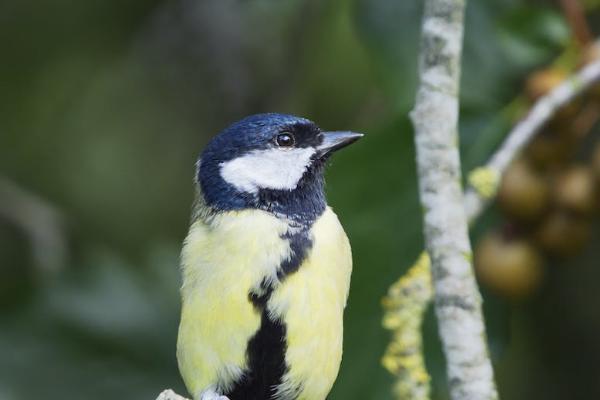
column 212, row 395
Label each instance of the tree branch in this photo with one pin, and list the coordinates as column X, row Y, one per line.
column 408, row 298
column 484, row 180
column 435, row 119
column 405, row 305
column 170, row 395
column 575, row 16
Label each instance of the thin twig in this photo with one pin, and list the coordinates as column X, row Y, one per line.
column 435, row 119
column 483, row 183
column 540, row 114
column 575, row 15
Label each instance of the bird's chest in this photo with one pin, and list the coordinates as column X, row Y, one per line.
column 263, row 305
column 311, row 302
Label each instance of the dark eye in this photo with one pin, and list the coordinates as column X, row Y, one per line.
column 285, row 139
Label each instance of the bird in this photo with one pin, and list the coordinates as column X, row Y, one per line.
column 265, row 265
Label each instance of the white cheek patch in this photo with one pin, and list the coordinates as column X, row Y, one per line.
column 279, row 169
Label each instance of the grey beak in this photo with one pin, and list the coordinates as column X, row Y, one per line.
column 333, row 141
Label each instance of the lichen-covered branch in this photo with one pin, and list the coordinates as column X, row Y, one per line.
column 435, row 119
column 542, row 111
column 405, row 306
column 408, row 298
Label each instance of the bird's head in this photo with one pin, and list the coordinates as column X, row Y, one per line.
column 272, row 162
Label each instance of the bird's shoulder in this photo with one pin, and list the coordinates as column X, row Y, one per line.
column 247, row 244
column 328, row 228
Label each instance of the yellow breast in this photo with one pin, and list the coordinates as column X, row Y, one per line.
column 311, row 301
column 222, row 259
column 227, row 257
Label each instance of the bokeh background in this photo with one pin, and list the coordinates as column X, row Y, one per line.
column 104, row 107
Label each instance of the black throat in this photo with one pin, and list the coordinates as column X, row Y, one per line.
column 303, row 205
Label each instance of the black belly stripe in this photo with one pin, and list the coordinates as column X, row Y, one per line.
column 266, row 350
column 266, row 362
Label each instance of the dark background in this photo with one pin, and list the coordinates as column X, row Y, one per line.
column 104, row 107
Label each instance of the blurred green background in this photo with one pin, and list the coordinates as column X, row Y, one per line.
column 104, row 107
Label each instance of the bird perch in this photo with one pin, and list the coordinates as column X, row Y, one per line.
column 408, row 298
column 435, row 119
column 170, row 395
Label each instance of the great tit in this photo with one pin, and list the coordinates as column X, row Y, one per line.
column 266, row 265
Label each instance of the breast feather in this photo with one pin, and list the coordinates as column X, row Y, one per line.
column 222, row 260
column 311, row 302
